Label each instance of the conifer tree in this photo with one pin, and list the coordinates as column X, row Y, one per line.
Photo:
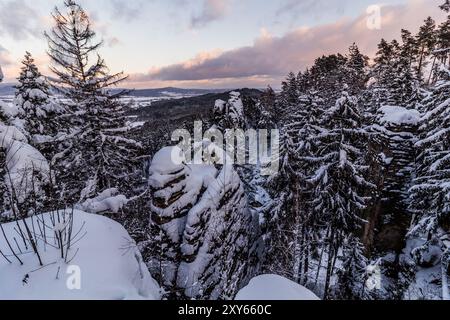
column 38, row 112
column 352, row 274
column 340, row 179
column 356, row 70
column 97, row 154
column 426, row 40
column 429, row 194
column 289, row 91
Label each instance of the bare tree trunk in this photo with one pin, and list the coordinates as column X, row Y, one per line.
column 331, row 253
column 432, row 70
column 9, row 245
column 419, row 70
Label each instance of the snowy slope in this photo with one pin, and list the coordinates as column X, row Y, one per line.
column 27, row 167
column 110, row 266
column 274, row 287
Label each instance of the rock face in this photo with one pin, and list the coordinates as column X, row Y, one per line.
column 230, row 114
column 199, row 216
column 392, row 144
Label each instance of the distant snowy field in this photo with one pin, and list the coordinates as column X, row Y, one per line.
column 138, row 99
column 110, row 266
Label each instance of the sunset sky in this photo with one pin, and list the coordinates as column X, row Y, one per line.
column 211, row 43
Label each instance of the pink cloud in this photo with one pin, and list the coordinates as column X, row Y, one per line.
column 270, row 58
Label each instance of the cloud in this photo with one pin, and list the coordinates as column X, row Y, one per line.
column 271, row 57
column 5, row 59
column 113, row 41
column 11, row 66
column 127, row 10
column 212, row 10
column 311, row 6
column 18, row 20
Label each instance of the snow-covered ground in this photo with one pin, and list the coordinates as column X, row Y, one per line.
column 273, row 287
column 105, row 265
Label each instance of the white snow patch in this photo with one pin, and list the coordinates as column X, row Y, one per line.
column 26, row 165
column 111, row 266
column 109, row 200
column 274, row 287
column 399, row 115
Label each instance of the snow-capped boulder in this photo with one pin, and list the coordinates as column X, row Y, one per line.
column 274, row 287
column 395, row 115
column 103, row 255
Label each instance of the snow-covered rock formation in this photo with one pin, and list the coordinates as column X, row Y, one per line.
column 200, row 218
column 230, row 115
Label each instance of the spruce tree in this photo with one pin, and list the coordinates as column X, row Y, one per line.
column 289, row 91
column 410, row 49
column 38, row 113
column 426, row 40
column 352, row 273
column 340, row 182
column 429, row 194
column 97, row 154
column 268, row 109
column 356, row 70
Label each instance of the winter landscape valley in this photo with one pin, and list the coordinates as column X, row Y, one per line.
column 331, row 183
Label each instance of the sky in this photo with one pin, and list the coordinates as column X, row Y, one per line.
column 213, row 43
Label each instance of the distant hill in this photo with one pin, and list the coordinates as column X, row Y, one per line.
column 199, row 106
column 7, row 89
column 170, row 91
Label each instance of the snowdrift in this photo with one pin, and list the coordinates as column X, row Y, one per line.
column 106, row 259
column 274, row 287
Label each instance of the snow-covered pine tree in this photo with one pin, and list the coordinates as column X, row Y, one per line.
column 381, row 75
column 267, row 109
column 426, row 41
column 282, row 219
column 410, row 50
column 38, row 113
column 340, row 182
column 356, row 70
column 352, row 273
column 441, row 53
column 289, row 91
column 96, row 153
column 430, row 194
column 293, row 225
column 326, row 77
